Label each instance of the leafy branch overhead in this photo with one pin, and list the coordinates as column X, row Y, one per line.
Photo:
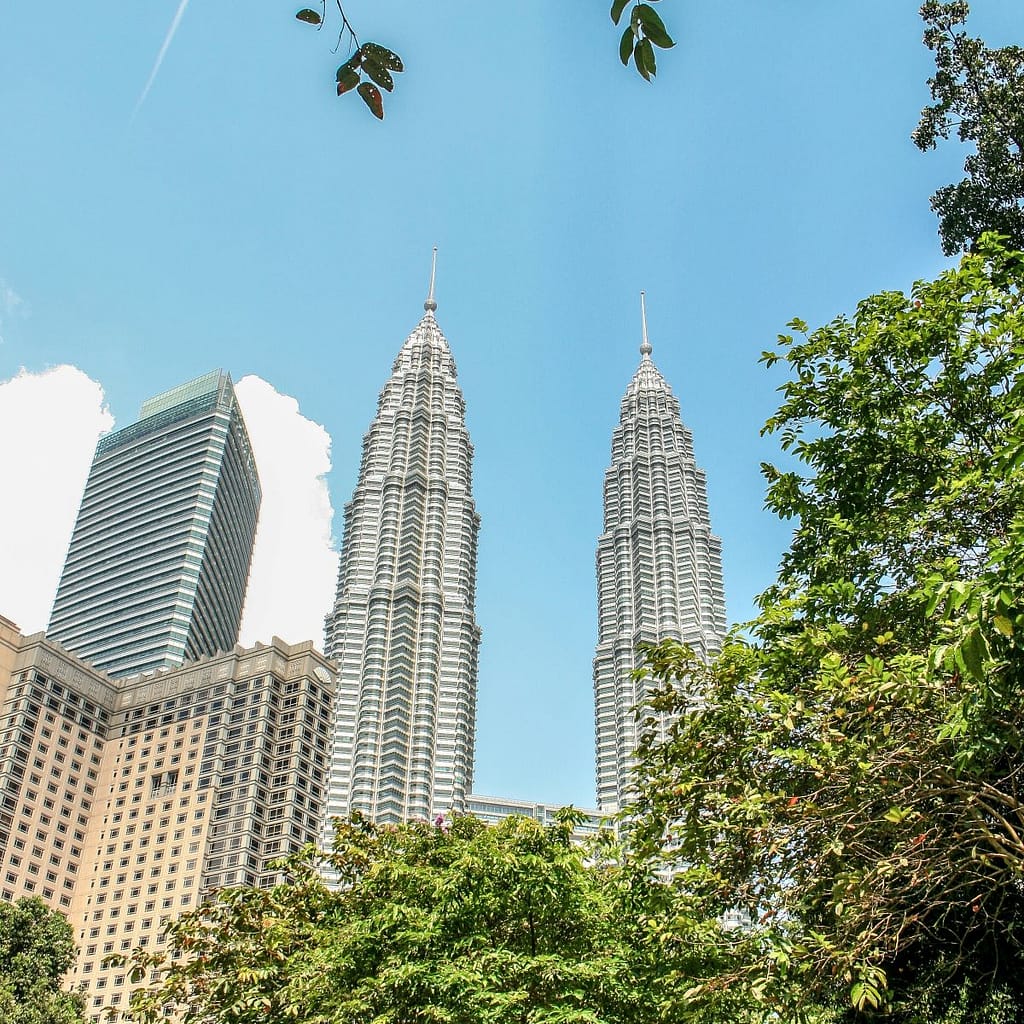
column 370, row 68
column 645, row 31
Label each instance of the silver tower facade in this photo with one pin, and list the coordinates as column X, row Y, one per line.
column 659, row 567
column 159, row 558
column 403, row 629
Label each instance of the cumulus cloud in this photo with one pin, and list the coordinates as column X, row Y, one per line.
column 50, row 423
column 294, row 565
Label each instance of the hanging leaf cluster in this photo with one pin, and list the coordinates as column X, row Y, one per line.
column 372, row 67
column 644, row 32
column 369, row 69
column 379, row 65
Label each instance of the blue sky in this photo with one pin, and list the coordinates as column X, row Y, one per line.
column 247, row 218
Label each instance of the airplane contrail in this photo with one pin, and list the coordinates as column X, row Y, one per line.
column 168, row 39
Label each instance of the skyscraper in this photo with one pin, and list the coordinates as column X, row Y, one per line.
column 403, row 629
column 159, row 557
column 124, row 802
column 659, row 567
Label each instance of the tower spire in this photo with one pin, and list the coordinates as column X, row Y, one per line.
column 659, row 567
column 645, row 345
column 403, row 629
column 430, row 305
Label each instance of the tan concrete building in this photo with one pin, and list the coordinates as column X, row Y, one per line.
column 124, row 801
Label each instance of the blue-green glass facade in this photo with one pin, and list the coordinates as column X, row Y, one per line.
column 159, row 559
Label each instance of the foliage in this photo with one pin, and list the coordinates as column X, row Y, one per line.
column 644, row 31
column 906, row 418
column 454, row 922
column 979, row 92
column 36, row 950
column 376, row 62
column 849, row 775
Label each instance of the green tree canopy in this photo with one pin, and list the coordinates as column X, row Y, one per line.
column 453, row 921
column 979, row 95
column 849, row 774
column 36, row 951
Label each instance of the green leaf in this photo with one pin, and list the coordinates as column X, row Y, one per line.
column 383, row 56
column 864, row 995
column 626, row 46
column 618, row 6
column 643, row 54
column 372, row 98
column 937, row 657
column 380, row 75
column 959, row 592
column 347, row 82
column 1003, row 624
column 309, row 16
column 654, row 27
column 897, row 814
column 350, row 65
column 973, row 652
column 660, row 38
column 638, row 60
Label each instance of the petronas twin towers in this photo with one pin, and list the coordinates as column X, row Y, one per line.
column 659, row 567
column 403, row 629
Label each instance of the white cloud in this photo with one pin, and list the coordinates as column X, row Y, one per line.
column 49, row 423
column 294, row 565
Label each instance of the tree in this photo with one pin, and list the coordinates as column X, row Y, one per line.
column 644, row 31
column 849, row 775
column 36, row 951
column 454, row 921
column 979, row 93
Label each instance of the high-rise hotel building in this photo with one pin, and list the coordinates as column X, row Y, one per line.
column 131, row 784
column 159, row 558
column 659, row 567
column 403, row 629
column 123, row 801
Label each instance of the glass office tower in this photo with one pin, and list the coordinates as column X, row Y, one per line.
column 159, row 558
